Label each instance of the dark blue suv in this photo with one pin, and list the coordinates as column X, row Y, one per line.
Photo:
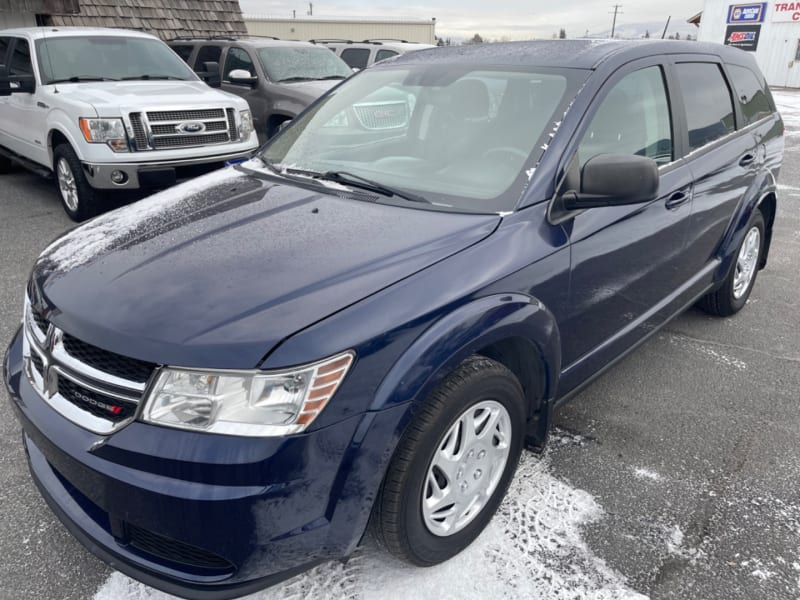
column 226, row 383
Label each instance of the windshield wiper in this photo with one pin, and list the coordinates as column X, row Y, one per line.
column 354, row 180
column 146, row 76
column 292, row 79
column 80, row 78
column 332, row 77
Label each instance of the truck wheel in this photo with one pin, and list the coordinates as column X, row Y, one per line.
column 731, row 297
column 79, row 199
column 453, row 465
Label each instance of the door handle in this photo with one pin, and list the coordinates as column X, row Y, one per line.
column 678, row 199
column 747, row 159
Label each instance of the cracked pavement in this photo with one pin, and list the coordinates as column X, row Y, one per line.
column 691, row 445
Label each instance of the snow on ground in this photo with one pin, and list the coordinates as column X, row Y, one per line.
column 788, row 104
column 532, row 549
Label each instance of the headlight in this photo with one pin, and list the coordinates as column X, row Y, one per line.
column 245, row 124
column 105, row 131
column 247, row 403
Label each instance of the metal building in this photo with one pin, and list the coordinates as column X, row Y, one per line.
column 771, row 30
column 315, row 28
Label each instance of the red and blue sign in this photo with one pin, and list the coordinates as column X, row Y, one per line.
column 747, row 13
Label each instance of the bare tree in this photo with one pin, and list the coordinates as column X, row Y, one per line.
column 562, row 34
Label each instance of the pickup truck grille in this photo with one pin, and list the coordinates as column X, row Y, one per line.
column 170, row 129
column 94, row 388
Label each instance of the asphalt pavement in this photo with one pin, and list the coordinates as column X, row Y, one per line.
column 690, row 447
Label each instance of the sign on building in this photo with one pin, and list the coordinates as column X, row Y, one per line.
column 747, row 13
column 786, row 12
column 744, row 37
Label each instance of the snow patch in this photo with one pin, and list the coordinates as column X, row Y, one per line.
column 533, row 548
column 718, row 357
column 675, row 541
column 643, row 473
column 87, row 241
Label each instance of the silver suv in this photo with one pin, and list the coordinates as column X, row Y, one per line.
column 360, row 55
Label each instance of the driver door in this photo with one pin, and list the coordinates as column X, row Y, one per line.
column 26, row 114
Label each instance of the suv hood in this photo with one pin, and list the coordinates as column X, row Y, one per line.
column 107, row 97
column 313, row 89
column 216, row 272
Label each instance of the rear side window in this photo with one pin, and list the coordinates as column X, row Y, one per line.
column 709, row 107
column 634, row 118
column 207, row 54
column 384, row 54
column 356, row 58
column 751, row 94
column 183, row 51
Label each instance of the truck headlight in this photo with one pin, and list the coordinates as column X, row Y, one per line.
column 105, row 131
column 246, row 403
column 245, row 124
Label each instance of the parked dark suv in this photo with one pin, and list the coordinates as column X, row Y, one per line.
column 224, row 384
column 278, row 78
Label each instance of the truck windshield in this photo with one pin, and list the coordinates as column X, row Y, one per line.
column 65, row 59
column 461, row 137
column 283, row 63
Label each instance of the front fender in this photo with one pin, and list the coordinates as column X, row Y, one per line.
column 464, row 331
column 60, row 121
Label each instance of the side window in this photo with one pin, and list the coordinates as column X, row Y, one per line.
column 752, row 96
column 384, row 54
column 633, row 118
column 183, row 51
column 5, row 42
column 709, row 108
column 356, row 58
column 206, row 54
column 20, row 63
column 238, row 59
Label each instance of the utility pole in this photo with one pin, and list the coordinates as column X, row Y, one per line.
column 310, row 9
column 616, row 8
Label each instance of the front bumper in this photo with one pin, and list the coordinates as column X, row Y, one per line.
column 156, row 173
column 204, row 516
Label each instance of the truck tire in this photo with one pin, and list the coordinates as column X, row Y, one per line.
column 79, row 199
column 453, row 465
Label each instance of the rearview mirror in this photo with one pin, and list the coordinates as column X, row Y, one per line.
column 242, row 77
column 614, row 180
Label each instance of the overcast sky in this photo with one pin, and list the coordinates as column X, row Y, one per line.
column 514, row 19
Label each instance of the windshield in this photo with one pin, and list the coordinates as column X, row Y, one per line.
column 108, row 58
column 302, row 63
column 459, row 137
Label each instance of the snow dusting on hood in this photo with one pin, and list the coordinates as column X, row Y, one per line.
column 91, row 239
column 533, row 548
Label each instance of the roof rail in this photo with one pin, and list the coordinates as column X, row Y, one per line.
column 329, row 40
column 231, row 37
column 379, row 40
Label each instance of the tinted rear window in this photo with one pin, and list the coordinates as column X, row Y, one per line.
column 356, row 58
column 751, row 94
column 709, row 107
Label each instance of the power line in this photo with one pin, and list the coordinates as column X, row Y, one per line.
column 616, row 8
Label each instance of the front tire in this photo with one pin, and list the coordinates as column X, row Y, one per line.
column 453, row 465
column 79, row 199
column 732, row 295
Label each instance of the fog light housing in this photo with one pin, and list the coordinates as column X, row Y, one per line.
column 119, row 177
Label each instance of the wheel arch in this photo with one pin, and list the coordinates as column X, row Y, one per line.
column 57, row 135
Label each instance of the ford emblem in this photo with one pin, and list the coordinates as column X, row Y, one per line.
column 191, row 127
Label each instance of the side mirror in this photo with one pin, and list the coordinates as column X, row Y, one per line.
column 614, row 180
column 242, row 77
column 211, row 74
column 17, row 84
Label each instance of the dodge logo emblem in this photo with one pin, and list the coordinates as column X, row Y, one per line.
column 191, row 127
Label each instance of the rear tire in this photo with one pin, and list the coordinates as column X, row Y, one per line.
column 732, row 295
column 453, row 465
column 79, row 199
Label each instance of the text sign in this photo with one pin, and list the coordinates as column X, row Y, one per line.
column 744, row 37
column 786, row 12
column 747, row 13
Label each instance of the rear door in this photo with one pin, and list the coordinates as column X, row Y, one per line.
column 723, row 160
column 628, row 262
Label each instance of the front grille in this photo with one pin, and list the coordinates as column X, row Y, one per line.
column 99, row 405
column 41, row 322
column 170, row 129
column 37, row 363
column 175, row 551
column 232, row 130
column 180, row 141
column 108, row 362
column 382, row 115
column 186, row 115
column 139, row 133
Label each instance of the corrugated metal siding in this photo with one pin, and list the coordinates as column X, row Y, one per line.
column 166, row 19
column 777, row 46
column 356, row 30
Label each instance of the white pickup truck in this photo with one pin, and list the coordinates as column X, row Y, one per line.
column 108, row 109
